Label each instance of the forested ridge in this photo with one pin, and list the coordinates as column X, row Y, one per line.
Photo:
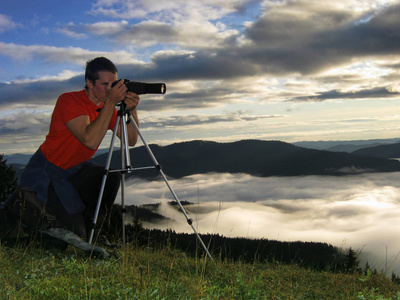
column 255, row 157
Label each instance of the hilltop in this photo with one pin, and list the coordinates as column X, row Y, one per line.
column 346, row 146
column 381, row 151
column 255, row 157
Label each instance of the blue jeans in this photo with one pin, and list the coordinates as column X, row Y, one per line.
column 87, row 181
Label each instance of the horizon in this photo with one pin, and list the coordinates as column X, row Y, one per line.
column 318, row 145
column 240, row 69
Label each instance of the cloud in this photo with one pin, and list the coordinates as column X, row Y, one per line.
column 193, row 120
column 200, row 36
column 295, row 37
column 167, row 10
column 44, row 91
column 311, row 36
column 182, row 23
column 51, row 54
column 70, row 30
column 148, row 33
column 25, row 123
column 358, row 211
column 377, row 92
column 278, row 44
column 34, row 119
column 107, row 28
column 316, row 38
column 7, row 24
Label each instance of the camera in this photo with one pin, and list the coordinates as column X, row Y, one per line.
column 140, row 88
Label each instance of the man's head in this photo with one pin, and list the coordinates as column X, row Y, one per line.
column 94, row 66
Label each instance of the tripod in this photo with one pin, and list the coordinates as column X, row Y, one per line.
column 122, row 118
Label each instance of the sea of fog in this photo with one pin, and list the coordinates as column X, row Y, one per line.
column 357, row 211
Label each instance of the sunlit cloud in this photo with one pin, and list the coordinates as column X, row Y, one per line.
column 107, row 28
column 51, row 54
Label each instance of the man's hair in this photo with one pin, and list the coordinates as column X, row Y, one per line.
column 96, row 65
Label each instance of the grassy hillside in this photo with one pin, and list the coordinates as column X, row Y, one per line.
column 315, row 255
column 143, row 273
column 156, row 265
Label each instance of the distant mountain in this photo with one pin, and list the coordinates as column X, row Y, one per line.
column 350, row 147
column 22, row 159
column 381, row 151
column 258, row 158
column 17, row 158
column 346, row 146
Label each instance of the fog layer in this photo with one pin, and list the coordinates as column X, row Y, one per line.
column 360, row 211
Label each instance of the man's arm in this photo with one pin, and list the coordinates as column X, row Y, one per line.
column 89, row 133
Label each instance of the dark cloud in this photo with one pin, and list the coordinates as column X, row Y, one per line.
column 24, row 124
column 288, row 43
column 149, row 33
column 376, row 93
column 203, row 65
column 38, row 92
column 168, row 69
column 377, row 37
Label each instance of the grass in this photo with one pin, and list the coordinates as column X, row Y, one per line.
column 34, row 273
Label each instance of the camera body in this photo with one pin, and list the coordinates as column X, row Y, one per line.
column 140, row 88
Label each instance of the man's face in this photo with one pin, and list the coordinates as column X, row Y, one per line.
column 99, row 88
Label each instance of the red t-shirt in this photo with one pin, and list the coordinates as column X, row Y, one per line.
column 61, row 147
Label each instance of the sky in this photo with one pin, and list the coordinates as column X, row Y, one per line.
column 290, row 70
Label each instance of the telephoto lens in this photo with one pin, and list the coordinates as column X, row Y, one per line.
column 140, row 88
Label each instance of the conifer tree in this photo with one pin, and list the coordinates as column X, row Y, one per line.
column 8, row 182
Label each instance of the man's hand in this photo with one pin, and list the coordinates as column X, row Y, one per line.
column 117, row 93
column 131, row 100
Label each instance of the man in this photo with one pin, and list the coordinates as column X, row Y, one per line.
column 59, row 172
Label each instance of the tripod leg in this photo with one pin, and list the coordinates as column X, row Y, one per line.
column 126, row 166
column 103, row 183
column 158, row 167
